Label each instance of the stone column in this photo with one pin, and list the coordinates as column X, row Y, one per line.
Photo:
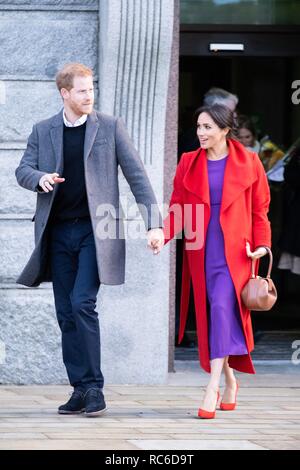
column 138, row 56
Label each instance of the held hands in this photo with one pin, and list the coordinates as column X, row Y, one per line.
column 156, row 240
column 49, row 179
column 258, row 253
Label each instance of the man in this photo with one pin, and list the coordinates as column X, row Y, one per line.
column 219, row 96
column 85, row 147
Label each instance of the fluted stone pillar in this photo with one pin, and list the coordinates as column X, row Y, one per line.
column 138, row 55
column 132, row 47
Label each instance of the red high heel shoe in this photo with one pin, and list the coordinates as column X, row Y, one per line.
column 204, row 414
column 230, row 406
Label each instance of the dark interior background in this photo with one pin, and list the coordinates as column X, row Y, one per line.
column 263, row 85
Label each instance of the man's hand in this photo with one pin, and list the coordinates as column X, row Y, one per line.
column 156, row 240
column 49, row 179
column 258, row 253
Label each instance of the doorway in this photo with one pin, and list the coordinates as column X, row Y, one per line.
column 261, row 76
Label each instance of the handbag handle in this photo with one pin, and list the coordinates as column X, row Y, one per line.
column 253, row 264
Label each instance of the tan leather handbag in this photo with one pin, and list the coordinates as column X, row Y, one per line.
column 259, row 293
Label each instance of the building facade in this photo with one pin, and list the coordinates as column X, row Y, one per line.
column 132, row 48
column 152, row 61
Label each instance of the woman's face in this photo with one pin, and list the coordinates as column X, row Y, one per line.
column 209, row 133
column 246, row 137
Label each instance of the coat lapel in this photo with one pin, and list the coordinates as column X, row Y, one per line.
column 196, row 176
column 239, row 174
column 56, row 133
column 92, row 126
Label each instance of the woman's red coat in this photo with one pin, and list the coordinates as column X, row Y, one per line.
column 243, row 217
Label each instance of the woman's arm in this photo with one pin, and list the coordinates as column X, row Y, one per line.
column 260, row 207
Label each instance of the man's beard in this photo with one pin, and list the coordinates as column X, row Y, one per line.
column 84, row 110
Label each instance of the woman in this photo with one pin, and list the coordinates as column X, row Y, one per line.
column 222, row 191
column 247, row 134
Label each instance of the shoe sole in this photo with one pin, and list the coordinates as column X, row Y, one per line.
column 64, row 412
column 95, row 413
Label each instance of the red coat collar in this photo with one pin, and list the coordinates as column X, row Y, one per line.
column 239, row 174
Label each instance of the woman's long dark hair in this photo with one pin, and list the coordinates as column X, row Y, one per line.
column 245, row 122
column 222, row 116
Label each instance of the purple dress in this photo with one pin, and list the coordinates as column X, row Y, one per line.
column 226, row 336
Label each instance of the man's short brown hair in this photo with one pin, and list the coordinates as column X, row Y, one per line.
column 65, row 76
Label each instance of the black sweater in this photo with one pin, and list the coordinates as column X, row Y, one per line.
column 71, row 198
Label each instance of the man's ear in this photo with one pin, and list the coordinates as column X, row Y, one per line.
column 64, row 93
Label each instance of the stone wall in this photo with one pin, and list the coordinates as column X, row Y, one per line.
column 128, row 44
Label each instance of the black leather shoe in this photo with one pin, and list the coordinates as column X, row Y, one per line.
column 94, row 402
column 75, row 405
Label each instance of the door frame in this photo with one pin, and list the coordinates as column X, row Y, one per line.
column 259, row 40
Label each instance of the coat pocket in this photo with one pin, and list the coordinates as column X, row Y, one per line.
column 100, row 142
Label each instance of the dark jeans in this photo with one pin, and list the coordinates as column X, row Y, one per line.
column 75, row 286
